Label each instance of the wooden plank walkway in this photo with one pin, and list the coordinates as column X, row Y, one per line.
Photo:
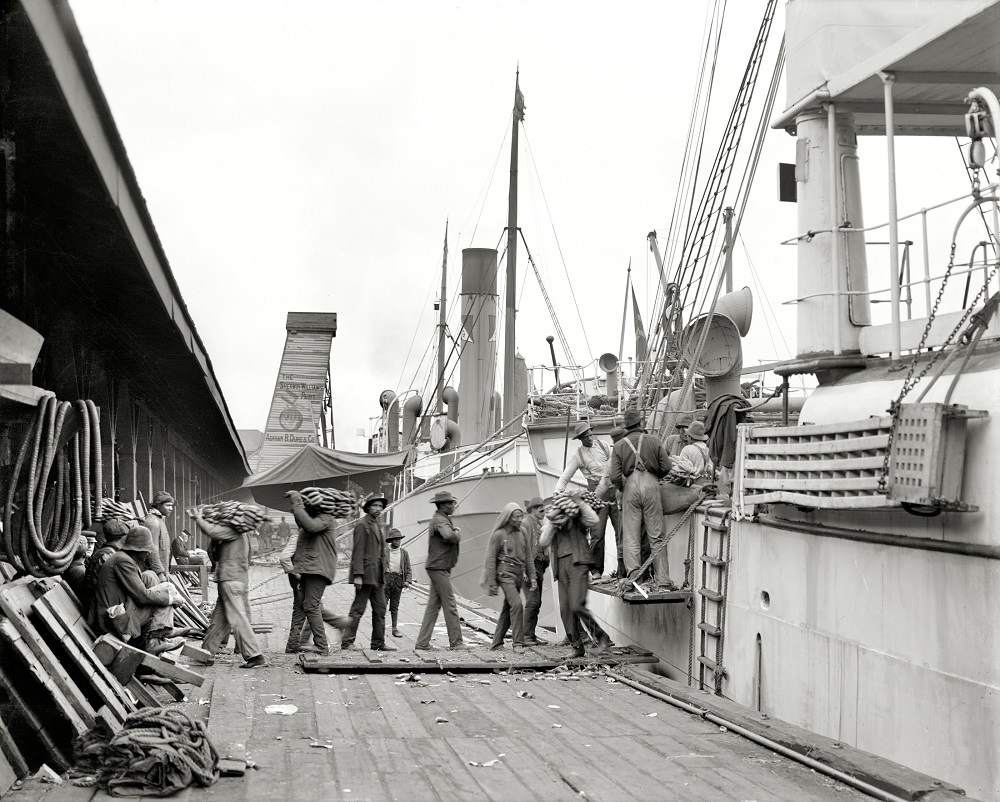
column 502, row 733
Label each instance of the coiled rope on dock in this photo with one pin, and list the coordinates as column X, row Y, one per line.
column 49, row 498
column 157, row 752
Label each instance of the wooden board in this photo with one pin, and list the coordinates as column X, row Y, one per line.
column 103, row 683
column 16, row 599
column 108, row 648
column 229, row 725
column 79, row 723
column 54, row 753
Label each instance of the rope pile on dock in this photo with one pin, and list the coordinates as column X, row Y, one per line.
column 157, row 752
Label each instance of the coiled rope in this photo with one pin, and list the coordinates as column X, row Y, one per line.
column 157, row 752
column 49, row 498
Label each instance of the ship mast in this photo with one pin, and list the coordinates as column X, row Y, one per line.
column 442, row 323
column 511, row 290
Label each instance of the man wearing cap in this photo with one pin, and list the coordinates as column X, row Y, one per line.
column 232, row 574
column 115, row 531
column 675, row 442
column 591, row 459
column 532, row 528
column 443, row 538
column 638, row 462
column 368, row 570
column 397, row 576
column 155, row 522
column 132, row 604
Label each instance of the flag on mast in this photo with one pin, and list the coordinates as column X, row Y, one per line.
column 518, row 101
column 640, row 332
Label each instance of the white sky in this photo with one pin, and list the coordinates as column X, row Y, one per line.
column 303, row 156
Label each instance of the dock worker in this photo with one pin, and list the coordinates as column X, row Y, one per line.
column 114, row 531
column 368, row 570
column 638, row 462
column 695, row 451
column 232, row 574
column 284, row 531
column 506, row 569
column 310, row 560
column 607, row 492
column 132, row 604
column 156, row 522
column 675, row 442
column 532, row 526
column 443, row 539
column 590, row 459
column 573, row 560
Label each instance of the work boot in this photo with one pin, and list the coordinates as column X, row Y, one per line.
column 396, row 633
column 383, row 648
column 576, row 652
column 603, row 646
column 535, row 641
column 255, row 662
column 161, row 645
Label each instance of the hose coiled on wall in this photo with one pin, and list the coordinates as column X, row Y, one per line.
column 44, row 514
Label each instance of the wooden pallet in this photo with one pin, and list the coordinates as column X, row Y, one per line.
column 539, row 658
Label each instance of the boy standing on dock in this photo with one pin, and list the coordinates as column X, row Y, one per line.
column 397, row 575
column 443, row 538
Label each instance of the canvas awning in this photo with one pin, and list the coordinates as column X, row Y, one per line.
column 315, row 466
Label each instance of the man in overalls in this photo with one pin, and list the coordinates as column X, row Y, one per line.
column 638, row 462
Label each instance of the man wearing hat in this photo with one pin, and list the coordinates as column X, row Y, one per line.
column 115, row 531
column 695, row 451
column 443, row 538
column 532, row 527
column 638, row 462
column 368, row 570
column 155, row 522
column 591, row 459
column 675, row 442
column 397, row 575
column 132, row 604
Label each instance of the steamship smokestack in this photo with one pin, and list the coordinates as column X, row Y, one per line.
column 479, row 355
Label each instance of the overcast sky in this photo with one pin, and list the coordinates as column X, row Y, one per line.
column 304, row 156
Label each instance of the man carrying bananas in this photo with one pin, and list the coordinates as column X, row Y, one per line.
column 567, row 521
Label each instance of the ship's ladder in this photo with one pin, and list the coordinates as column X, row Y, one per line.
column 715, row 555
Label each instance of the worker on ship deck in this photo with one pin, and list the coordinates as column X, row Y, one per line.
column 638, row 462
column 590, row 459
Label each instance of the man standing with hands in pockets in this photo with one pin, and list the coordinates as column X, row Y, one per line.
column 368, row 570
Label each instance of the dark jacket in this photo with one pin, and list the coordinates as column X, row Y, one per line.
column 316, row 548
column 571, row 539
column 155, row 523
column 623, row 461
column 725, row 413
column 507, row 552
column 369, row 546
column 404, row 562
column 442, row 543
column 532, row 529
column 120, row 580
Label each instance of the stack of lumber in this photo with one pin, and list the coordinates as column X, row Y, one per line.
column 56, row 680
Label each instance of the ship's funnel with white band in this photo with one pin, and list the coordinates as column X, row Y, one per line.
column 479, row 344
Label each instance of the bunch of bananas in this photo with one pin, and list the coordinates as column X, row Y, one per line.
column 111, row 509
column 338, row 503
column 241, row 517
column 593, row 500
column 561, row 509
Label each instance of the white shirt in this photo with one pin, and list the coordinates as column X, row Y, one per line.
column 591, row 462
column 395, row 561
